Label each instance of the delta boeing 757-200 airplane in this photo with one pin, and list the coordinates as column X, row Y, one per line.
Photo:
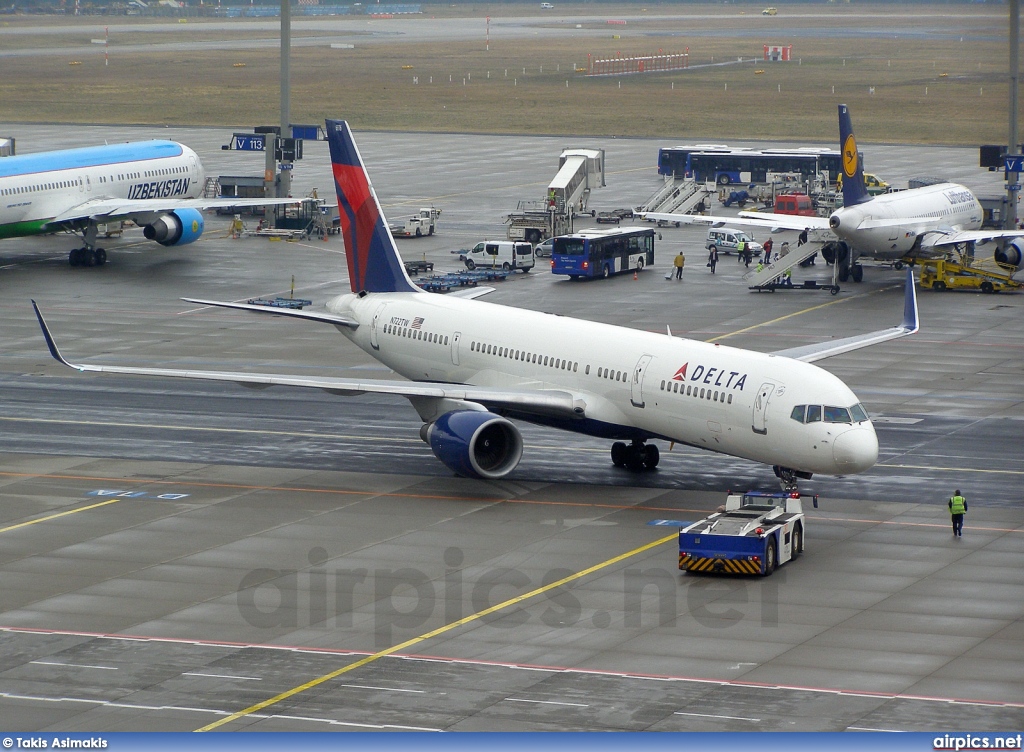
column 153, row 183
column 920, row 222
column 472, row 366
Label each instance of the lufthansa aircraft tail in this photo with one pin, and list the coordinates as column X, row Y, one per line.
column 854, row 190
column 373, row 261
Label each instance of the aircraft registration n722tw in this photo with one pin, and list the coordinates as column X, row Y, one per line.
column 156, row 184
column 920, row 222
column 470, row 373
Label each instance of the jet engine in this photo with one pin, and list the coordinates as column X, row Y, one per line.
column 475, row 444
column 178, row 227
column 1011, row 254
column 834, row 251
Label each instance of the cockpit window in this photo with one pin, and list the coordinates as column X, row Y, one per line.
column 859, row 413
column 798, row 413
column 813, row 413
column 837, row 414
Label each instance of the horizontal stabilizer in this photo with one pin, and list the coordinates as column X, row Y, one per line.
column 324, row 318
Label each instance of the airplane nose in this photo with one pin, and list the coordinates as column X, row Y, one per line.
column 855, row 450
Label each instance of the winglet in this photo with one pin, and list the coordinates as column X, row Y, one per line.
column 911, row 320
column 49, row 339
column 374, row 264
column 854, row 190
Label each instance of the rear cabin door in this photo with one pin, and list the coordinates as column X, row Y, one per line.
column 636, row 386
column 375, row 324
column 455, row 347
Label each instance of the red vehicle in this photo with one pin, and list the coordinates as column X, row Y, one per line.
column 795, row 203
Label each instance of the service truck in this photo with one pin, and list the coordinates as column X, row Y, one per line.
column 421, row 224
column 754, row 534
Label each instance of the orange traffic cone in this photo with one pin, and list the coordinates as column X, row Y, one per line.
column 634, row 274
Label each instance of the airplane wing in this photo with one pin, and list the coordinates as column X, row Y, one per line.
column 821, row 350
column 470, row 293
column 532, row 401
column 955, row 237
column 102, row 209
column 324, row 318
column 745, row 219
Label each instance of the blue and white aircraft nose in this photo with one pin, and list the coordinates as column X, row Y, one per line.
column 855, row 451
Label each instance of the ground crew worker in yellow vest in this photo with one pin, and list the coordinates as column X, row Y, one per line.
column 957, row 507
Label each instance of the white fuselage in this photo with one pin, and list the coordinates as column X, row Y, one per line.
column 36, row 188
column 944, row 207
column 634, row 384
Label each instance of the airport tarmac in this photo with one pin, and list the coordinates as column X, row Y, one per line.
column 177, row 553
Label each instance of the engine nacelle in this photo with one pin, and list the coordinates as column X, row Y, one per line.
column 1011, row 254
column 834, row 251
column 179, row 227
column 476, row 444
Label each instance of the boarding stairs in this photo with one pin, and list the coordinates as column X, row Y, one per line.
column 775, row 270
column 211, row 189
column 678, row 196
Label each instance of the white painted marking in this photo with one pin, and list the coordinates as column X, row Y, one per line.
column 222, row 676
column 865, row 728
column 385, row 689
column 547, row 702
column 73, row 665
column 723, row 717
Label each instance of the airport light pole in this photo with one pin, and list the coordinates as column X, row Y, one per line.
column 1013, row 144
column 285, row 184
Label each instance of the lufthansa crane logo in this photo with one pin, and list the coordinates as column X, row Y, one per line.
column 850, row 156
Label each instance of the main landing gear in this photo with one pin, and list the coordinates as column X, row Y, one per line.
column 788, row 477
column 88, row 254
column 87, row 257
column 635, row 457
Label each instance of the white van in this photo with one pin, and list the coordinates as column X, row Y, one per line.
column 501, row 254
column 727, row 240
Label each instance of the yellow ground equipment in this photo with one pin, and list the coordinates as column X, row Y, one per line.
column 937, row 274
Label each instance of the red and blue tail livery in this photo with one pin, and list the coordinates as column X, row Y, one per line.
column 373, row 261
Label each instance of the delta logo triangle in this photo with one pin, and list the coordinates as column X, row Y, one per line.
column 681, row 373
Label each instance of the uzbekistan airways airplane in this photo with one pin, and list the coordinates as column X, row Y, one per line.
column 153, row 183
column 926, row 221
column 469, row 371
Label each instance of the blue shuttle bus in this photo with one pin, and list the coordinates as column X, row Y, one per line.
column 602, row 253
column 740, row 165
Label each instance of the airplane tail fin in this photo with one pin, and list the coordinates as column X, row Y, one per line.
column 854, row 191
column 374, row 264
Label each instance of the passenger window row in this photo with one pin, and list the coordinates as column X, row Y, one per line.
column 828, row 414
column 689, row 390
column 524, row 357
column 410, row 333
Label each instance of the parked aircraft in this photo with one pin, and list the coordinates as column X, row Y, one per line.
column 472, row 366
column 153, row 183
column 920, row 222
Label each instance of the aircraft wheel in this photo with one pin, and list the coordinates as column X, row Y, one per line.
column 769, row 557
column 939, row 286
column 844, row 274
column 470, row 264
column 101, row 257
column 619, row 450
column 634, row 458
column 987, row 287
column 651, row 456
column 857, row 273
column 898, row 265
column 74, row 257
column 88, row 257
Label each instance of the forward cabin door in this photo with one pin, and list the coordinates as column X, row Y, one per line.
column 636, row 386
column 760, row 419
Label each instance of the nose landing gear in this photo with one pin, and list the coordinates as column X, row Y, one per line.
column 788, row 477
column 635, row 457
